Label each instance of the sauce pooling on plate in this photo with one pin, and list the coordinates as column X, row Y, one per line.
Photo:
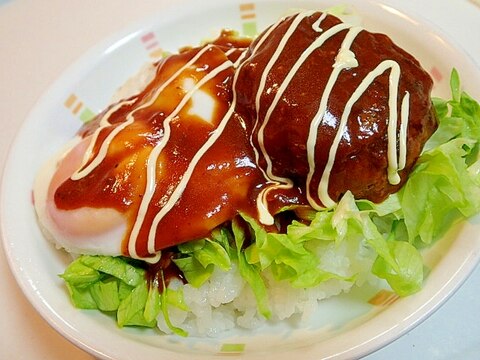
column 311, row 109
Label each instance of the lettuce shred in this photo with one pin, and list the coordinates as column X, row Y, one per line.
column 443, row 188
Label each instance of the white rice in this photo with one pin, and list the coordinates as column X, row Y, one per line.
column 226, row 301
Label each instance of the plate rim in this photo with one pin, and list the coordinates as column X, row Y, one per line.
column 66, row 76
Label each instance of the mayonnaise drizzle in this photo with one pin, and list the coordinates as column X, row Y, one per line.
column 279, row 182
column 316, row 25
column 393, row 168
column 264, row 214
column 102, row 153
column 284, row 182
column 153, row 160
column 104, row 123
column 404, row 112
column 344, row 59
column 177, row 193
column 181, row 186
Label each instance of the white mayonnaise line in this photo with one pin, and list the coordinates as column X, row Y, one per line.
column 303, row 57
column 264, row 215
column 129, row 120
column 82, row 172
column 266, row 71
column 181, row 186
column 279, row 182
column 263, row 79
column 345, row 59
column 177, row 193
column 393, row 83
column 281, row 47
column 392, row 126
column 154, row 155
column 278, row 51
column 403, row 131
column 316, row 25
column 230, row 52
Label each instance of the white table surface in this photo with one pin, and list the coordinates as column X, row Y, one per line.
column 31, row 60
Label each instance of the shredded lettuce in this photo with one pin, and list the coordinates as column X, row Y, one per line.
column 201, row 256
column 443, row 188
column 119, row 286
column 109, row 284
column 445, row 185
column 173, row 298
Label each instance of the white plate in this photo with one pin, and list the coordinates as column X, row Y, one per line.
column 86, row 88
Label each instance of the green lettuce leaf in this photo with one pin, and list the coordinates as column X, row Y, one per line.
column 198, row 258
column 112, row 284
column 195, row 273
column 403, row 268
column 131, row 310
column 153, row 304
column 286, row 255
column 445, row 185
column 250, row 272
column 105, row 294
column 172, row 297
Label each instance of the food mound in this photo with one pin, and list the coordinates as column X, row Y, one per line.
column 249, row 179
column 314, row 108
column 334, row 108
